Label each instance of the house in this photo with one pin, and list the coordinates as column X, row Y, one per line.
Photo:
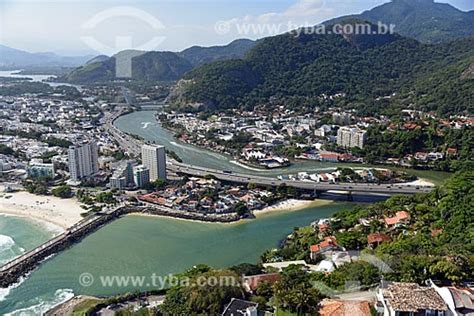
column 238, row 307
column 285, row 264
column 333, row 307
column 325, row 266
column 328, row 244
column 451, row 151
column 252, row 282
column 459, row 300
column 331, row 157
column 376, row 239
column 397, row 299
column 400, row 218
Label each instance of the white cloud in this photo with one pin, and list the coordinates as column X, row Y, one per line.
column 301, row 13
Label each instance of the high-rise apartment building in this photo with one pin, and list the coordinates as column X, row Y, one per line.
column 351, row 137
column 142, row 176
column 154, row 158
column 83, row 160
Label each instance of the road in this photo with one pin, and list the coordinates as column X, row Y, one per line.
column 133, row 146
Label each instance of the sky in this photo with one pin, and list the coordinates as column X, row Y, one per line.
column 80, row 27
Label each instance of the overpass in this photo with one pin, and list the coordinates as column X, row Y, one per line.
column 345, row 188
column 133, row 146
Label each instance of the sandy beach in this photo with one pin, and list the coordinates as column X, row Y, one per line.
column 420, row 182
column 49, row 209
column 291, row 205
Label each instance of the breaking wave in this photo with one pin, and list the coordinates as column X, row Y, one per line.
column 43, row 305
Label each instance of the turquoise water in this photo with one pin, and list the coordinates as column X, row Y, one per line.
column 18, row 235
column 141, row 246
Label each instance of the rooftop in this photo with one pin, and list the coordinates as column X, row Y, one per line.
column 410, row 297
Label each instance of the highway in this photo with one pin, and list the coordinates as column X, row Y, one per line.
column 133, row 146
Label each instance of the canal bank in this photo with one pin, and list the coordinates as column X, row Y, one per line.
column 144, row 124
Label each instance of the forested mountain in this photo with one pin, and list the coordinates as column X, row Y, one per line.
column 198, row 55
column 146, row 66
column 372, row 71
column 424, row 20
column 161, row 66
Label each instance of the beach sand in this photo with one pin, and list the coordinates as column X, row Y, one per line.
column 419, row 182
column 49, row 209
column 291, row 205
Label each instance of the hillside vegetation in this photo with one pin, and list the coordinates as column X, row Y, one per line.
column 373, row 72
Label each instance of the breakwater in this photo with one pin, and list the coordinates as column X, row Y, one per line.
column 11, row 272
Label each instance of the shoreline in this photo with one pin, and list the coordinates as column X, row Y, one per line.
column 48, row 210
column 290, row 205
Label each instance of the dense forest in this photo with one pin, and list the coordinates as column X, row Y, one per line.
column 374, row 73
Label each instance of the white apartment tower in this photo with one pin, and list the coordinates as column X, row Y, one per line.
column 351, row 137
column 154, row 158
column 83, row 160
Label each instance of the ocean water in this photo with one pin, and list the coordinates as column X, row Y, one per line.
column 142, row 246
column 17, row 235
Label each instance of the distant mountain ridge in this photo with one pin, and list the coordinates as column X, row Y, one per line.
column 198, row 55
column 297, row 71
column 11, row 57
column 146, row 66
column 424, row 20
column 160, row 66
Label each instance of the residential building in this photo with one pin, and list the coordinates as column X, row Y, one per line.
column 328, row 244
column 398, row 299
column 351, row 137
column 154, row 158
column 341, row 118
column 376, row 239
column 460, row 300
column 38, row 169
column 123, row 176
column 241, row 308
column 83, row 160
column 400, row 218
column 141, row 174
column 252, row 282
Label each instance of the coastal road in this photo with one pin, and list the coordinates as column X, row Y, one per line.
column 133, row 145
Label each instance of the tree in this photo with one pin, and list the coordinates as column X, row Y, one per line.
column 295, row 293
column 246, row 269
column 63, row 191
column 241, row 208
column 203, row 293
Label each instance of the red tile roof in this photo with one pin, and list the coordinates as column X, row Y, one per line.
column 253, row 281
column 377, row 238
column 399, row 216
column 328, row 242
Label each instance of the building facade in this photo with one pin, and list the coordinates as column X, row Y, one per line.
column 154, row 158
column 38, row 169
column 141, row 175
column 122, row 176
column 83, row 161
column 351, row 137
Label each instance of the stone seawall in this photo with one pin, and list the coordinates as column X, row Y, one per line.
column 228, row 218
